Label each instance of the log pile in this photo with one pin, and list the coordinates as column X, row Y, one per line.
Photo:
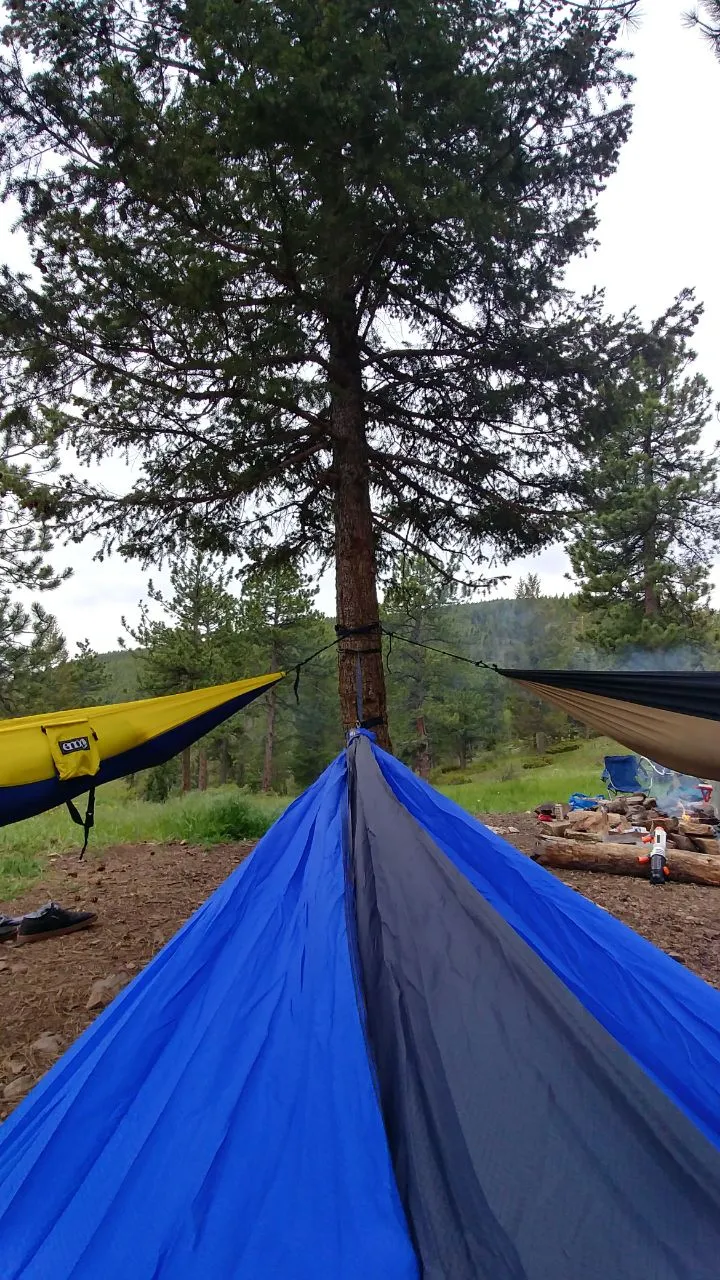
column 627, row 818
column 613, row 835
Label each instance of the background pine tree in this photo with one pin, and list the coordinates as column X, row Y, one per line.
column 282, row 625
column 644, row 550
column 192, row 646
column 706, row 17
column 320, row 249
column 36, row 672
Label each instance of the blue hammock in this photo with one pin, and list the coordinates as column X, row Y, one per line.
column 384, row 1048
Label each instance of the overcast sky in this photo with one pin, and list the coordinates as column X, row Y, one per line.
column 658, row 234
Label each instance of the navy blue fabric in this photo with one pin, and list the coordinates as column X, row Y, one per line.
column 219, row 1121
column 689, row 693
column 622, row 773
column 18, row 803
column 664, row 1016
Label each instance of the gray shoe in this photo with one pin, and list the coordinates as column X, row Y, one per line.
column 9, row 927
column 52, row 921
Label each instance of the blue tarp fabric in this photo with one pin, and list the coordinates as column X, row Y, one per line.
column 219, row 1119
column 223, row 1117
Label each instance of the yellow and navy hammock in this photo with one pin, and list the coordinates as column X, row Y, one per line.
column 48, row 760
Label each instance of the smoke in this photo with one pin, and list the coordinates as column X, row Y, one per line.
column 678, row 794
column 683, row 657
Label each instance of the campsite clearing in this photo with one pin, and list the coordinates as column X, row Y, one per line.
column 503, row 781
column 143, row 893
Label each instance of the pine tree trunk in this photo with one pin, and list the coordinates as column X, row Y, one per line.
column 186, row 773
column 418, row 693
column 202, row 770
column 269, row 740
column 224, row 762
column 651, row 605
column 422, row 754
column 359, row 656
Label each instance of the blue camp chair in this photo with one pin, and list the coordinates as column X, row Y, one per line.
column 624, row 774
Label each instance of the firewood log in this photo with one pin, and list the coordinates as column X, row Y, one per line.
column 556, row 828
column 618, row 805
column 690, row 827
column 678, row 840
column 669, row 824
column 710, row 847
column 622, row 860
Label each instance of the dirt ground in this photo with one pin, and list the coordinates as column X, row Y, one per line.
column 683, row 919
column 143, row 893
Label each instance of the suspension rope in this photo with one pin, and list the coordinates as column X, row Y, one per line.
column 299, row 666
column 346, row 633
column 431, row 648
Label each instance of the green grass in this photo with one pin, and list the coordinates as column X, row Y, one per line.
column 17, row 872
column 213, row 817
column 497, row 783
column 502, row 785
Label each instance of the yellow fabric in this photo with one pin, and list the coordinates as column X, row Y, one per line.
column 74, row 748
column 688, row 744
column 25, row 744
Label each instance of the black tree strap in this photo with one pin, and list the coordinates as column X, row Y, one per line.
column 363, row 722
column 344, row 633
column 88, row 822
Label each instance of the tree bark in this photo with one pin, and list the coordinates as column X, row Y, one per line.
column 361, row 676
column 186, row 771
column 651, row 603
column 422, row 755
column 711, row 848
column 224, row 762
column 267, row 776
column 622, row 860
column 202, row 770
